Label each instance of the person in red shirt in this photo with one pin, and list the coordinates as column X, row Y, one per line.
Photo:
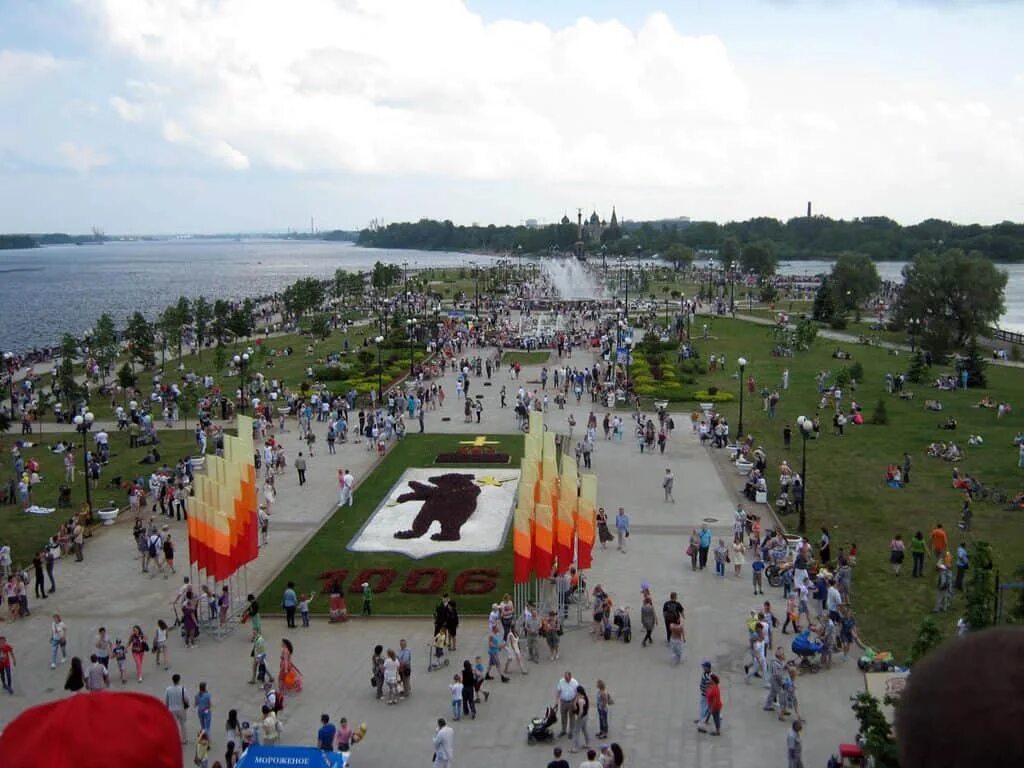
column 714, row 697
column 939, row 541
column 7, row 661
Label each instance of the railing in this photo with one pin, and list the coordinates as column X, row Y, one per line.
column 1012, row 337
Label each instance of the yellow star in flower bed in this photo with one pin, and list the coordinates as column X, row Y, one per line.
column 479, row 442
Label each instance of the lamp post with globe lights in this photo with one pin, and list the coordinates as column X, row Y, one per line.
column 806, row 427
column 242, row 361
column 83, row 424
column 742, row 362
column 380, row 368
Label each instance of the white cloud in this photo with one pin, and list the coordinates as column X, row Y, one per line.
column 81, row 158
column 425, row 87
column 17, row 68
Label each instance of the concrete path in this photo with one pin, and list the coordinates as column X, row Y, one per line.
column 654, row 702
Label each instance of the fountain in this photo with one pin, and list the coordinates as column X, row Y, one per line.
column 571, row 279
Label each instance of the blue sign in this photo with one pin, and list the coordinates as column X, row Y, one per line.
column 291, row 757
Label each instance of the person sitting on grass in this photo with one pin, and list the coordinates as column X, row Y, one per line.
column 893, row 476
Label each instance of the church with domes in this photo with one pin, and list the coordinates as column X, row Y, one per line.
column 594, row 227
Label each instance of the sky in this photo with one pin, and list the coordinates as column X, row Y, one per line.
column 204, row 116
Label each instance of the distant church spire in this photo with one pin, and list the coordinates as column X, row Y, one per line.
column 615, row 221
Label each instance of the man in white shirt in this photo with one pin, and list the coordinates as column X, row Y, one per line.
column 349, row 483
column 176, row 699
column 591, row 761
column 833, row 599
column 565, row 697
column 444, row 744
column 96, row 676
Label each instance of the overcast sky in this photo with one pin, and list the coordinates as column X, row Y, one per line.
column 238, row 115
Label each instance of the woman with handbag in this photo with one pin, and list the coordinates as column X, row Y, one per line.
column 693, row 549
column 138, row 645
column 289, row 677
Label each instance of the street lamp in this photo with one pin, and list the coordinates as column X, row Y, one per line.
column 733, row 266
column 743, row 364
column 83, row 424
column 410, row 325
column 914, row 324
column 10, row 363
column 380, row 369
column 806, row 429
column 242, row 361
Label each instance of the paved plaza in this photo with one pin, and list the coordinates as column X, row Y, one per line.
column 655, row 703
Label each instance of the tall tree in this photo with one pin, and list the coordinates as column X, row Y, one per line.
column 141, row 340
column 105, row 345
column 221, row 315
column 303, row 296
column 854, row 280
column 679, row 256
column 202, row 314
column 64, row 375
column 183, row 318
column 954, row 296
column 729, row 252
column 759, row 257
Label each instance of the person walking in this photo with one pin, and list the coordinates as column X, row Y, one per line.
column 714, row 699
column 204, row 708
column 444, row 744
column 704, row 536
column 721, row 558
column 738, row 556
column 468, row 680
column 405, row 667
column 939, row 542
column 604, row 700
column 962, row 564
column 693, row 549
column 58, row 641
column 565, row 698
column 7, row 664
column 702, row 692
column 581, row 713
column 622, row 528
column 40, row 582
column 300, row 467
column 896, row 553
column 138, row 646
column 648, row 620
column 677, row 640
column 177, row 701
column 671, row 611
column 776, row 682
column 917, row 550
column 944, row 587
column 667, row 484
column 391, row 677
column 794, row 746
column 97, row 678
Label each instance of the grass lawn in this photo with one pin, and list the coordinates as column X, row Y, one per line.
column 525, row 358
column 26, row 532
column 845, row 488
column 327, row 549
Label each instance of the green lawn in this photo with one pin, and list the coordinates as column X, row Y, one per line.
column 845, row 488
column 26, row 532
column 327, row 549
column 525, row 358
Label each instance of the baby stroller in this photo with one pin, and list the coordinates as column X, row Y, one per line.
column 539, row 728
column 807, row 648
column 623, row 626
column 783, row 505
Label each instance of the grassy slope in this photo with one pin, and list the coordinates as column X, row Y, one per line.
column 845, row 488
column 26, row 532
column 327, row 549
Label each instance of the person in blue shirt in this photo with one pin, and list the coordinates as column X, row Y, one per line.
column 962, row 562
column 289, row 602
column 705, row 545
column 325, row 736
column 204, row 702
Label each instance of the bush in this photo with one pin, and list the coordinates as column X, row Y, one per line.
column 707, row 396
column 712, row 391
column 838, row 322
column 857, row 372
column 330, row 373
column 880, row 415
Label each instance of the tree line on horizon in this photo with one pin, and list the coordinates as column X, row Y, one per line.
column 801, row 238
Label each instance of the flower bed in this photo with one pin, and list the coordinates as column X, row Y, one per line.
column 473, row 456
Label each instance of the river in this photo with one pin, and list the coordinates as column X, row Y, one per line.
column 46, row 292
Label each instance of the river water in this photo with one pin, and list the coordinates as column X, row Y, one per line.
column 46, row 292
column 1012, row 320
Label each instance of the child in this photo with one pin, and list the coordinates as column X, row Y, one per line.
column 121, row 657
column 604, row 700
column 788, row 698
column 367, row 599
column 757, row 569
column 304, row 601
column 792, row 613
column 202, row 750
column 440, row 643
column 456, row 689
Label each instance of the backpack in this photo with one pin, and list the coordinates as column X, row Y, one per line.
column 152, row 547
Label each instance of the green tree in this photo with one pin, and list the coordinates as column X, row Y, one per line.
column 188, row 402
column 220, row 359
column 854, row 279
column 126, row 377
column 182, row 317
column 974, row 363
column 679, row 256
column 202, row 315
column 759, row 257
column 953, row 294
column 320, row 325
column 303, row 296
column 221, row 315
column 918, row 371
column 880, row 415
column 928, row 639
column 64, row 377
column 980, row 587
column 385, row 275
column 729, row 252
column 824, row 308
column 141, row 340
column 104, row 343
column 875, row 730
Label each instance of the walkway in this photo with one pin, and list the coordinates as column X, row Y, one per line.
column 654, row 702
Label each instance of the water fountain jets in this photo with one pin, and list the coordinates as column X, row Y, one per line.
column 571, row 279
